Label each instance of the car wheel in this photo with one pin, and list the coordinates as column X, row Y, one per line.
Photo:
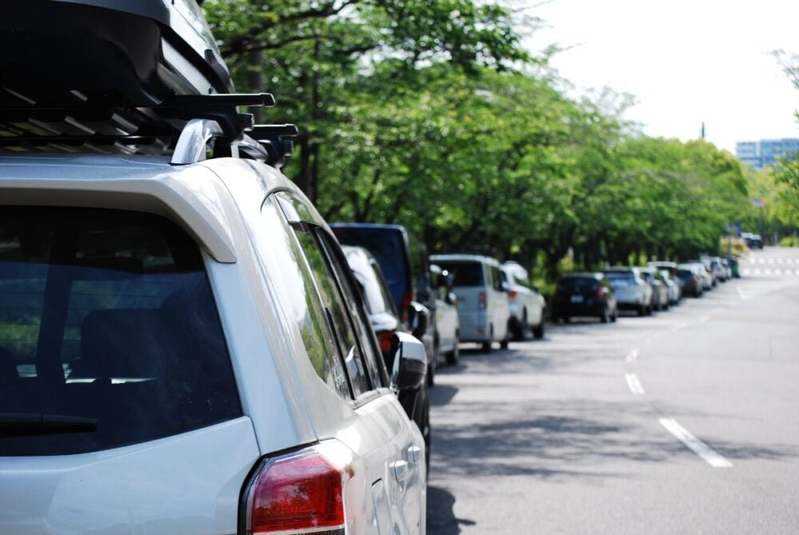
column 641, row 310
column 431, row 380
column 615, row 316
column 504, row 343
column 487, row 345
column 455, row 354
column 605, row 317
column 538, row 331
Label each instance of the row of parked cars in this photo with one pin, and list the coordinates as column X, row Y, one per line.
column 643, row 290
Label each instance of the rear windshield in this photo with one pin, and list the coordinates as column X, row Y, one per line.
column 105, row 317
column 387, row 245
column 578, row 283
column 465, row 273
column 620, row 278
column 684, row 274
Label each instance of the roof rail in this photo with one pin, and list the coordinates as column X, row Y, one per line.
column 189, row 123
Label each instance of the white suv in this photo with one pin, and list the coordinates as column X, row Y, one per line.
column 182, row 351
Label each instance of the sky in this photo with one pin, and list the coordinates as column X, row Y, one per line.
column 684, row 61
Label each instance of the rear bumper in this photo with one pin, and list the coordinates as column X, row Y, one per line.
column 474, row 326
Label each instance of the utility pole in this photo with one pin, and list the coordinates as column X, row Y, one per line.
column 702, row 131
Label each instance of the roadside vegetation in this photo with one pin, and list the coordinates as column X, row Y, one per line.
column 431, row 114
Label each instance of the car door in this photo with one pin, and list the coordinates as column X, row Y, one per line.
column 392, row 448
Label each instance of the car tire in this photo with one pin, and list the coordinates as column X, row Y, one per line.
column 503, row 344
column 488, row 344
column 455, row 354
column 641, row 311
column 615, row 316
column 605, row 316
column 538, row 331
column 431, row 373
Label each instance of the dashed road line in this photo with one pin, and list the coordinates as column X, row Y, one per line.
column 679, row 327
column 631, row 356
column 742, row 294
column 709, row 455
column 634, row 384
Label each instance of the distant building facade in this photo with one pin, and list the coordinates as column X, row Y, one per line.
column 760, row 154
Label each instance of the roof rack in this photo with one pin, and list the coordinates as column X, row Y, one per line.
column 185, row 125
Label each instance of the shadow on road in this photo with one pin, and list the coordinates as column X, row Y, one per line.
column 441, row 519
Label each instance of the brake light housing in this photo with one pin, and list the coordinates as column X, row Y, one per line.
column 298, row 492
column 405, row 306
column 388, row 342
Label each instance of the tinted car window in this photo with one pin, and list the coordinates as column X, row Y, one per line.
column 302, row 299
column 336, row 310
column 465, row 273
column 621, row 279
column 352, row 299
column 578, row 284
column 107, row 317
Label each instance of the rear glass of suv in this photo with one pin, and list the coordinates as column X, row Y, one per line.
column 465, row 273
column 109, row 334
column 580, row 284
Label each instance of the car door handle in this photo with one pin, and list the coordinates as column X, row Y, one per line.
column 402, row 471
column 414, row 454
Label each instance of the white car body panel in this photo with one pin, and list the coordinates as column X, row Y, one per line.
column 183, row 484
column 447, row 324
column 476, row 324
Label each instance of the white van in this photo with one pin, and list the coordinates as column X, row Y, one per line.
column 483, row 308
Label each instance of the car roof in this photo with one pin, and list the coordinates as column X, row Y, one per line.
column 458, row 257
column 193, row 195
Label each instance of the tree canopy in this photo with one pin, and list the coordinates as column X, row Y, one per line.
column 431, row 114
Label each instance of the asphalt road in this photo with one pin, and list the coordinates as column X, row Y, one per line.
column 685, row 422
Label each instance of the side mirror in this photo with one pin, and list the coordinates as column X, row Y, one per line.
column 409, row 372
column 418, row 319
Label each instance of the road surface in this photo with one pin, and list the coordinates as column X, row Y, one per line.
column 685, row 422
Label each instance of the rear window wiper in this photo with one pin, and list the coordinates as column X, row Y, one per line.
column 14, row 424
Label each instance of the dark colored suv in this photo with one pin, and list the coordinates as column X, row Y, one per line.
column 404, row 263
column 584, row 294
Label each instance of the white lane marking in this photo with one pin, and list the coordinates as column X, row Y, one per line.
column 694, row 444
column 632, row 355
column 770, row 260
column 757, row 271
column 744, row 271
column 634, row 384
column 767, row 271
column 742, row 294
column 679, row 327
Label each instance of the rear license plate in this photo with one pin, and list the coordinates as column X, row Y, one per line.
column 577, row 299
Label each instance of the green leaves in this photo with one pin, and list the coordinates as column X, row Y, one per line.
column 428, row 113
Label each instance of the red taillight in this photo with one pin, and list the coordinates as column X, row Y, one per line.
column 512, row 294
column 299, row 492
column 405, row 306
column 386, row 340
column 482, row 300
column 600, row 292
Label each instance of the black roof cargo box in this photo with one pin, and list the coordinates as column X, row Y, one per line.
column 122, row 52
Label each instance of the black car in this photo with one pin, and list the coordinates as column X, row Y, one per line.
column 404, row 263
column 584, row 294
column 691, row 284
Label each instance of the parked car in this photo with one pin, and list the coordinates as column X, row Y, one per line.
column 714, row 265
column 660, row 290
column 708, row 282
column 405, row 266
column 447, row 323
column 632, row 292
column 385, row 321
column 483, row 308
column 692, row 280
column 673, row 286
column 753, row 241
column 584, row 294
column 183, row 347
column 527, row 305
